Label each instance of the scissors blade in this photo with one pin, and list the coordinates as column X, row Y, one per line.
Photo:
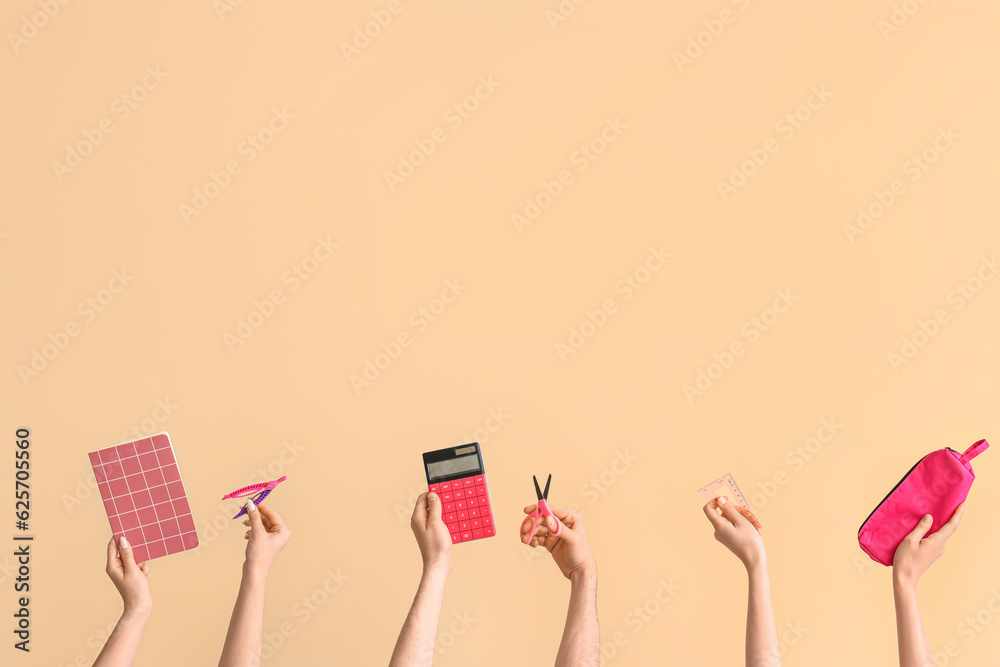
column 538, row 490
column 545, row 495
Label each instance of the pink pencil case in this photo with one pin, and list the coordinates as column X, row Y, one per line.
column 936, row 485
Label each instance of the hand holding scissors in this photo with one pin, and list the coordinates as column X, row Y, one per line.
column 570, row 549
column 539, row 513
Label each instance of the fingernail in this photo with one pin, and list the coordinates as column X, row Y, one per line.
column 123, row 543
column 432, row 496
column 250, row 506
column 927, row 518
column 722, row 500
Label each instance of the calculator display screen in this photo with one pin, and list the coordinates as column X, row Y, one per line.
column 454, row 466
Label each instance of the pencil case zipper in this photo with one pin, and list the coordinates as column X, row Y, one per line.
column 897, row 486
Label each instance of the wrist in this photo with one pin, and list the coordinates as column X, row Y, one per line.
column 437, row 570
column 138, row 611
column 584, row 574
column 904, row 583
column 255, row 572
column 756, row 565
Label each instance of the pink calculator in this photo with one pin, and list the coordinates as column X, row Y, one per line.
column 457, row 475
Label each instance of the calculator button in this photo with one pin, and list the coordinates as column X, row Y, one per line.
column 487, row 521
column 484, row 501
column 456, row 538
column 445, row 486
column 434, row 487
column 478, row 533
column 469, row 481
column 475, row 523
column 474, row 512
column 450, row 518
column 461, row 505
column 485, row 510
column 464, row 525
column 489, row 531
column 481, row 490
column 466, row 535
column 447, row 497
column 458, row 493
column 449, row 507
column 462, row 515
column 480, row 479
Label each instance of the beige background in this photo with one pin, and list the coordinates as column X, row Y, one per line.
column 495, row 347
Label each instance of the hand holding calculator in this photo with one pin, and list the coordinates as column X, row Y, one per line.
column 458, row 476
column 431, row 533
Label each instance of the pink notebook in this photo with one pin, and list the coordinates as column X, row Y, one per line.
column 144, row 496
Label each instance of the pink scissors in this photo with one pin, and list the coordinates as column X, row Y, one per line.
column 541, row 511
column 256, row 493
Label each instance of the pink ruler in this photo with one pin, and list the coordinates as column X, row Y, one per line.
column 143, row 494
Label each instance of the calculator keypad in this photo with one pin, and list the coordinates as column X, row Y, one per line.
column 466, row 510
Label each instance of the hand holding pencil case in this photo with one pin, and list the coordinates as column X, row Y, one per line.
column 936, row 485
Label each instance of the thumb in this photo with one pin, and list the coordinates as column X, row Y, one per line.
column 125, row 553
column 256, row 525
column 553, row 524
column 433, row 507
column 717, row 521
column 114, row 565
column 922, row 528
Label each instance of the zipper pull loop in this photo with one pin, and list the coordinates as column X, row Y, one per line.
column 974, row 450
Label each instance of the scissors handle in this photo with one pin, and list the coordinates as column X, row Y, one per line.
column 536, row 517
column 544, row 506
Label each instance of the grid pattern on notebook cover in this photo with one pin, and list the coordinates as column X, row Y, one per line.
column 465, row 508
column 142, row 491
